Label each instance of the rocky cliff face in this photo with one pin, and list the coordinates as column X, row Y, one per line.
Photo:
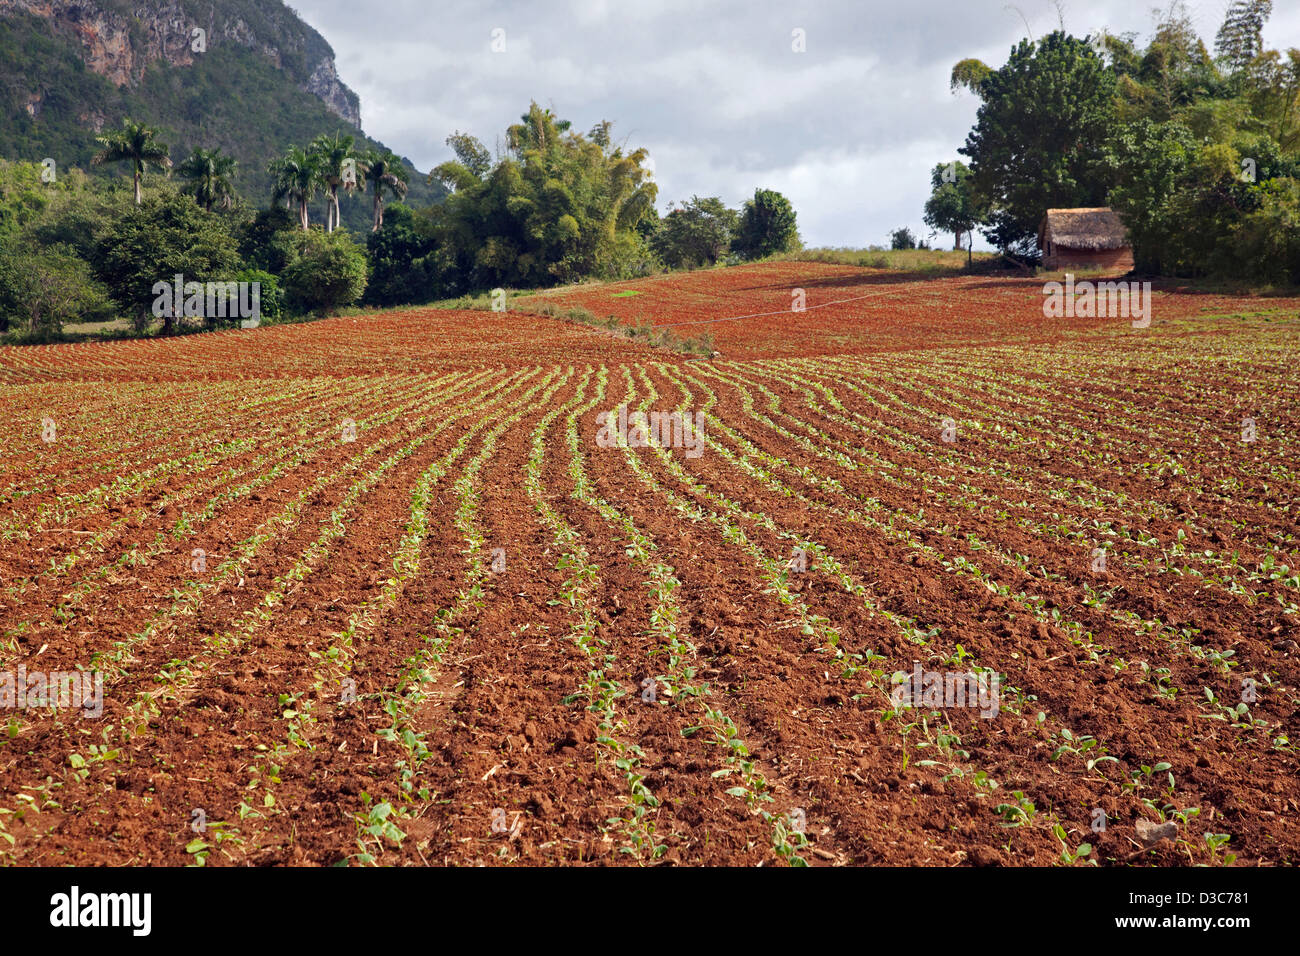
column 324, row 83
column 121, row 38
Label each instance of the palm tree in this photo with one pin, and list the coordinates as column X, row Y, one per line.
column 209, row 173
column 332, row 155
column 134, row 143
column 539, row 129
column 383, row 171
column 297, row 177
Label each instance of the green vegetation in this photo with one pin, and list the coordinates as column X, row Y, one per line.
column 166, row 236
column 698, row 233
column 328, row 271
column 45, row 290
column 207, row 136
column 136, row 144
column 704, row 232
column 923, row 261
column 296, row 180
column 767, row 226
column 383, row 172
column 230, row 96
column 210, row 177
column 80, row 250
column 560, row 206
column 902, row 239
column 954, row 206
column 403, row 261
column 1039, row 136
column 1198, row 152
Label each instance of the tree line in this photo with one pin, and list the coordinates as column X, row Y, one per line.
column 559, row 206
column 556, row 206
column 1198, row 152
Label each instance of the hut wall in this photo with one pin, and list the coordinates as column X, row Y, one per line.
column 1113, row 260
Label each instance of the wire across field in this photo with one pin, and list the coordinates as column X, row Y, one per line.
column 379, row 590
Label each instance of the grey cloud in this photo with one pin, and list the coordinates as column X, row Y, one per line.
column 849, row 129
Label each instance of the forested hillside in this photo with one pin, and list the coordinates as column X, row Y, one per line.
column 265, row 80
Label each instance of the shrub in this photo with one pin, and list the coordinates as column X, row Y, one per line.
column 266, row 240
column 328, row 272
column 902, row 239
column 270, row 296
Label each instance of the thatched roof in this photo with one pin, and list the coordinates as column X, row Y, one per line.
column 1091, row 230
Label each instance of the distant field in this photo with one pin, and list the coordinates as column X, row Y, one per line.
column 375, row 589
column 853, row 311
column 930, row 261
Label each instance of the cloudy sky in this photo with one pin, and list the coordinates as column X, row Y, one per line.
column 714, row 89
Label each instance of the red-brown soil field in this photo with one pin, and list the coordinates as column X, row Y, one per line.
column 370, row 590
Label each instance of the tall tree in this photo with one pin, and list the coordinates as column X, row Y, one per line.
column 954, row 206
column 470, row 167
column 134, row 143
column 333, row 154
column 1176, row 69
column 296, row 180
column 767, row 225
column 558, row 207
column 471, row 153
column 539, row 129
column 166, row 236
column 1038, row 138
column 382, row 171
column 209, row 173
column 1241, row 38
column 1275, row 96
column 403, row 261
column 1148, row 163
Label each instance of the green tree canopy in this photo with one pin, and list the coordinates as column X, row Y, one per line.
column 404, row 266
column 210, row 174
column 382, row 173
column 696, row 233
column 134, row 143
column 1039, row 136
column 559, row 207
column 328, row 272
column 902, row 238
column 335, row 160
column 296, row 180
column 165, row 236
column 767, row 226
column 954, row 206
column 1241, row 37
column 47, row 287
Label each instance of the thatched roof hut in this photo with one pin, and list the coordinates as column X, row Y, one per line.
column 1087, row 238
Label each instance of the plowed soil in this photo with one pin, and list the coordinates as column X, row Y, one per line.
column 371, row 591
